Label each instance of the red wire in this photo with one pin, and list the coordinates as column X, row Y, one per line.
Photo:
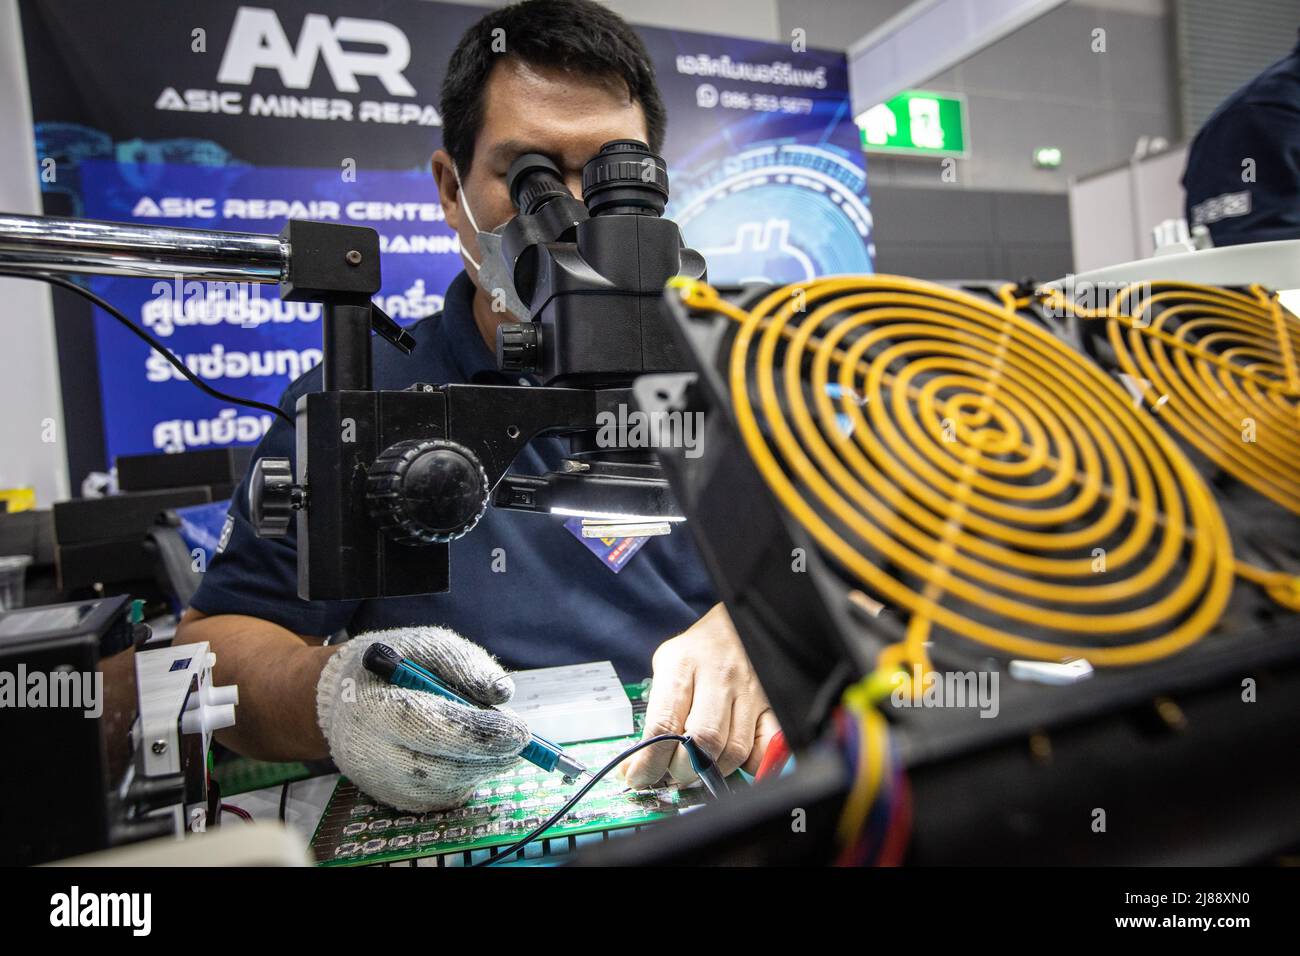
column 898, row 832
column 900, row 828
column 237, row 811
column 778, row 753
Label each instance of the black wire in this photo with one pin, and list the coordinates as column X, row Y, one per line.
column 153, row 343
column 595, row 779
column 284, row 799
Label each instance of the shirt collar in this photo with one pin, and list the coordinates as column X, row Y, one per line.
column 464, row 341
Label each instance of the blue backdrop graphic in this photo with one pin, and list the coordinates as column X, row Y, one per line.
column 261, row 123
column 243, row 339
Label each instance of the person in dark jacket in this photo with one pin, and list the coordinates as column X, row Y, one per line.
column 1243, row 169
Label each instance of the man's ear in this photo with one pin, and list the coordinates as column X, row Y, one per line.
column 448, row 189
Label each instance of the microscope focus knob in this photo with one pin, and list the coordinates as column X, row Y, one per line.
column 518, row 346
column 426, row 491
column 272, row 497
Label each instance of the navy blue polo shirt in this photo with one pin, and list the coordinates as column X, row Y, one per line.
column 1260, row 123
column 555, row 603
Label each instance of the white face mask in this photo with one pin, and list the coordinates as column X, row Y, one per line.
column 492, row 275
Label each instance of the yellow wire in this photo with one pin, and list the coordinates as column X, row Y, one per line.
column 873, row 747
column 1281, row 587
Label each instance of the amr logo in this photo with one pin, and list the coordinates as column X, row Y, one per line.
column 258, row 41
column 761, row 252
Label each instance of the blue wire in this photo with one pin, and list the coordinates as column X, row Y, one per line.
column 883, row 810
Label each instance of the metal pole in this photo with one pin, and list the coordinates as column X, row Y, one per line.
column 347, row 362
column 51, row 244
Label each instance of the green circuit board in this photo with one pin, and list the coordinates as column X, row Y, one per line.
column 242, row 774
column 355, row 830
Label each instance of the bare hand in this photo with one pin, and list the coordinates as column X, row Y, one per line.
column 704, row 686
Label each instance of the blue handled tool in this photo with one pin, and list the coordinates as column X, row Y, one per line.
column 382, row 661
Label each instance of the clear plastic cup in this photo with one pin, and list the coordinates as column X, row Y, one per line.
column 13, row 576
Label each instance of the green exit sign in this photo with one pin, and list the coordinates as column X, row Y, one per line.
column 916, row 123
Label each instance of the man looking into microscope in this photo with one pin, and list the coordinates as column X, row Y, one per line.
column 575, row 76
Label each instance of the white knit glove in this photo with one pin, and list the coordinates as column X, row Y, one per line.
column 414, row 750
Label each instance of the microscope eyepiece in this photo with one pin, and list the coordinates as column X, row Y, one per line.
column 625, row 177
column 533, row 180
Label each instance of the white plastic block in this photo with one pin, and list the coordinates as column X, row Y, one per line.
column 573, row 703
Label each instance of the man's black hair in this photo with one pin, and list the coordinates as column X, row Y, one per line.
column 577, row 35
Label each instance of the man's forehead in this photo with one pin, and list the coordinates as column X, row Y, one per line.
column 564, row 115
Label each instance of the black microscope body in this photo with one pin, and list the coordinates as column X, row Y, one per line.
column 386, row 479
